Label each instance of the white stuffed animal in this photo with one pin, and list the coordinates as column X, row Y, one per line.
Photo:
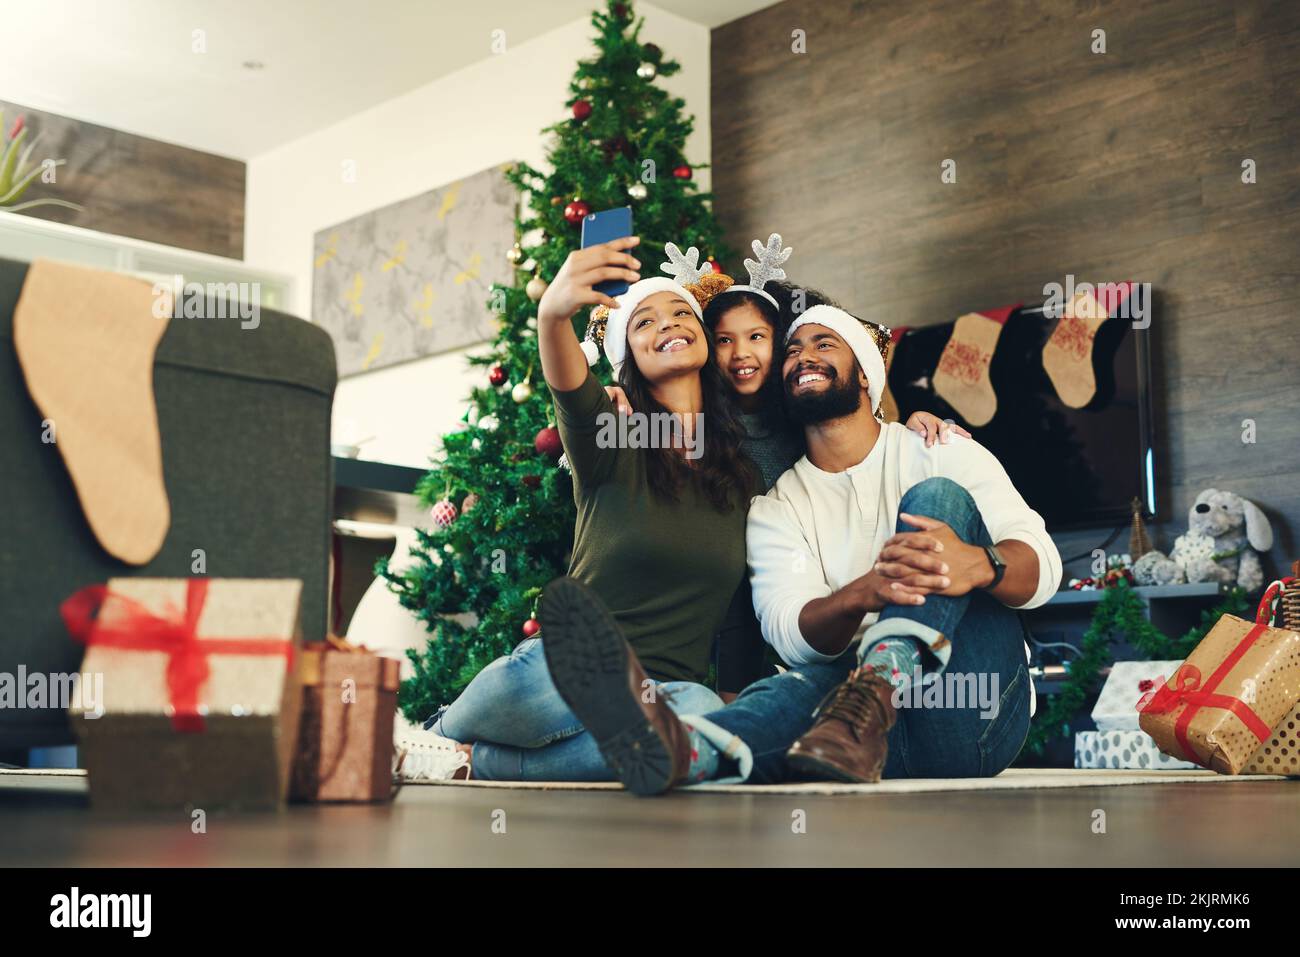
column 1225, row 534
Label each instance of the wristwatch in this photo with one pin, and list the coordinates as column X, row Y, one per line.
column 999, row 566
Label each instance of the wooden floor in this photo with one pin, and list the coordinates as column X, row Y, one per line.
column 48, row 822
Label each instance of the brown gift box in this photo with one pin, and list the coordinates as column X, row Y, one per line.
column 143, row 752
column 1224, row 701
column 1280, row 754
column 345, row 749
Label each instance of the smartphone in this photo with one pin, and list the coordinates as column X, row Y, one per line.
column 600, row 228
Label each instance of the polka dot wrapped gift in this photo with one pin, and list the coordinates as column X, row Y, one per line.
column 1224, row 702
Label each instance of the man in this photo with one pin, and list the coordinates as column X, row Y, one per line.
column 914, row 555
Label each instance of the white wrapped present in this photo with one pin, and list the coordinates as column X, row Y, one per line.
column 1128, row 681
column 1126, row 750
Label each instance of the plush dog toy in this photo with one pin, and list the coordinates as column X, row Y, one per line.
column 1225, row 534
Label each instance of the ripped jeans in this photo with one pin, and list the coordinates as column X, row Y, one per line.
column 959, row 735
column 523, row 731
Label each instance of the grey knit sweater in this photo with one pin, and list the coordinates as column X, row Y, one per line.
column 772, row 452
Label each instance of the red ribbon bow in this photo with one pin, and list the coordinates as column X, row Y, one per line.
column 136, row 628
column 1187, row 690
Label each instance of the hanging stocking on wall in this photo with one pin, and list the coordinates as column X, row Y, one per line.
column 962, row 377
column 1067, row 355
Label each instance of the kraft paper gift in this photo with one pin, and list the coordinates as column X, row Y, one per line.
column 345, row 750
column 201, row 695
column 1224, row 702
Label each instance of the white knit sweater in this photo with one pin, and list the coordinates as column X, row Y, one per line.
column 815, row 531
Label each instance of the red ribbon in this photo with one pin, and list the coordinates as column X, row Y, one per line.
column 136, row 628
column 1187, row 690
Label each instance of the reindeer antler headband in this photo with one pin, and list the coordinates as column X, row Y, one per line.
column 767, row 267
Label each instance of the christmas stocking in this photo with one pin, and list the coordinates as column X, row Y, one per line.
column 86, row 340
column 1067, row 356
column 962, row 377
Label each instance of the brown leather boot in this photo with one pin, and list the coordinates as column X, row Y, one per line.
column 599, row 677
column 849, row 739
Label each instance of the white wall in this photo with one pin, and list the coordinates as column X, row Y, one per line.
column 486, row 114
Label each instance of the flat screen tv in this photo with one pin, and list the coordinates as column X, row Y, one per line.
column 1077, row 467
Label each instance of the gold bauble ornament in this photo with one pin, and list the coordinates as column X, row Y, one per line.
column 638, row 191
column 522, row 392
column 536, row 288
column 514, row 254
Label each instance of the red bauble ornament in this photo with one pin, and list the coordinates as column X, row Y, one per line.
column 714, row 265
column 620, row 11
column 531, row 627
column 444, row 513
column 652, row 52
column 547, row 442
column 532, row 481
column 682, row 172
column 575, row 211
column 619, row 144
column 497, row 376
column 581, row 110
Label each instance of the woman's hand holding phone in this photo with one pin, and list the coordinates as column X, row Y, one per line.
column 564, row 364
column 573, row 285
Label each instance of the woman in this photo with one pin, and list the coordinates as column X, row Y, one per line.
column 660, row 534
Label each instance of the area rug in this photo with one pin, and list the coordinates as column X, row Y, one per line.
column 1014, row 779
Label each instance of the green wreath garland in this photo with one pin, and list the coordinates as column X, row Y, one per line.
column 1120, row 611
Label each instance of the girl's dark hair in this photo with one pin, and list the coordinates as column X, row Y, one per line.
column 723, row 473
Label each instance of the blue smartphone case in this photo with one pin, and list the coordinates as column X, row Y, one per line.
column 600, row 228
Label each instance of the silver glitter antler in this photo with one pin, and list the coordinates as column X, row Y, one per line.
column 770, row 258
column 685, row 269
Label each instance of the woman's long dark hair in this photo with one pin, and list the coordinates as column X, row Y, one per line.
column 723, row 473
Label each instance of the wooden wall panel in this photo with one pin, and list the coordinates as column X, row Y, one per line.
column 1108, row 166
column 138, row 187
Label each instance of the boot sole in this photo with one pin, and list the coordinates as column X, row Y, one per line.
column 587, row 658
column 816, row 769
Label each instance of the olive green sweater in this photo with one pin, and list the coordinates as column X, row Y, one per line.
column 666, row 571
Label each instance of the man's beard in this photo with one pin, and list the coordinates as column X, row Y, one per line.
column 839, row 399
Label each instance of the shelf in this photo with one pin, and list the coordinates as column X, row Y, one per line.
column 1200, row 590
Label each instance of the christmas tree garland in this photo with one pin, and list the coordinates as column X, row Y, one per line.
column 1120, row 612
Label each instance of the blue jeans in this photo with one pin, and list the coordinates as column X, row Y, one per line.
column 523, row 731
column 979, row 738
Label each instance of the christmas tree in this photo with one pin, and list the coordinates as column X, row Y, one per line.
column 500, row 496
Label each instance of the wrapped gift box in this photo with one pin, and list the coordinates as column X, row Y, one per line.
column 200, row 691
column 1223, row 703
column 1127, row 750
column 1128, row 681
column 1280, row 754
column 345, row 748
